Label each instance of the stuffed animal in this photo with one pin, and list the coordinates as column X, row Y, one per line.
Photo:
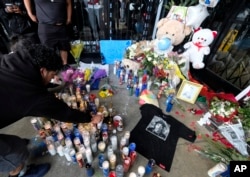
column 169, row 33
column 199, row 47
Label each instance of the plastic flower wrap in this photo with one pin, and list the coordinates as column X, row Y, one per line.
column 76, row 49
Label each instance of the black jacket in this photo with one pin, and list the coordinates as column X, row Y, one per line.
column 16, row 23
column 23, row 94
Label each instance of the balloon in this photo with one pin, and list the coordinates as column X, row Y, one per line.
column 164, row 44
column 196, row 15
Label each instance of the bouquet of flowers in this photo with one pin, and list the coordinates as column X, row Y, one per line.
column 106, row 90
column 222, row 109
column 76, row 50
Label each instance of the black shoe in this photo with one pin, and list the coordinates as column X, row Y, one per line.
column 37, row 170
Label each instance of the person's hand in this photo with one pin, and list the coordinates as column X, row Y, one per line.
column 9, row 9
column 96, row 119
column 16, row 9
column 33, row 18
column 68, row 21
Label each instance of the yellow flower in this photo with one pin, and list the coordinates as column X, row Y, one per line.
column 102, row 94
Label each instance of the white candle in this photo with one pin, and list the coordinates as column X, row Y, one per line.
column 141, row 171
column 60, row 150
column 86, row 142
column 125, row 151
column 68, row 142
column 51, row 149
column 132, row 174
column 149, row 83
column 88, row 88
column 82, row 150
column 97, row 102
column 101, row 146
column 88, row 154
column 105, row 165
column 66, row 153
column 127, row 136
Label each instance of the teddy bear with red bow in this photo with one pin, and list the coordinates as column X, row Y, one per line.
column 196, row 49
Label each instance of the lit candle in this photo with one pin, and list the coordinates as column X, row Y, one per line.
column 101, row 146
column 78, row 98
column 105, row 168
column 74, row 105
column 141, row 171
column 73, row 98
column 132, row 174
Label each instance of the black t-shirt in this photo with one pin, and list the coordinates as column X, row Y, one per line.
column 51, row 12
column 156, row 135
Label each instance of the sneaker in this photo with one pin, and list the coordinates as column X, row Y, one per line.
column 37, row 170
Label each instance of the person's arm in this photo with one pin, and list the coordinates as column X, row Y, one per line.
column 28, row 6
column 47, row 105
column 69, row 11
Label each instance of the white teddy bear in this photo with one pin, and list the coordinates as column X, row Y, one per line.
column 199, row 47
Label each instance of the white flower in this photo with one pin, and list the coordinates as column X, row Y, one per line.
column 155, row 62
column 133, row 46
column 156, row 55
column 149, row 58
column 131, row 54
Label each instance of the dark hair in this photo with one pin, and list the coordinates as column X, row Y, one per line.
column 159, row 122
column 45, row 57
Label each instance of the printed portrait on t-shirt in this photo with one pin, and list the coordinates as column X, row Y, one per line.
column 158, row 127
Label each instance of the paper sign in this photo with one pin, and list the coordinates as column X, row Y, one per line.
column 178, row 13
column 114, row 50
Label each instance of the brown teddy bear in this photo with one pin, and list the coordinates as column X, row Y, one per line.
column 170, row 33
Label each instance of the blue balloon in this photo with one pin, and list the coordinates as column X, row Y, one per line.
column 164, row 44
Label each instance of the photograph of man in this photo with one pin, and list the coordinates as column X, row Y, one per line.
column 159, row 128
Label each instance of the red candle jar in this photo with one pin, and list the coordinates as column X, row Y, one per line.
column 126, row 164
column 112, row 174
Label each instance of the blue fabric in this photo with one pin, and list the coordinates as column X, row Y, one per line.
column 114, row 50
